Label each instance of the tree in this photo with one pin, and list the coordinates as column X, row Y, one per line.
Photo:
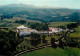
column 43, row 39
column 35, row 39
column 53, row 43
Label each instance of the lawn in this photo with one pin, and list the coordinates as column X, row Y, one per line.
column 68, row 51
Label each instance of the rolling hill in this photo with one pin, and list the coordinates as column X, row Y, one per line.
column 44, row 14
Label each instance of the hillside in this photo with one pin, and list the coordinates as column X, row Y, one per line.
column 39, row 13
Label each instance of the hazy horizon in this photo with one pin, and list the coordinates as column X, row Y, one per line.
column 72, row 4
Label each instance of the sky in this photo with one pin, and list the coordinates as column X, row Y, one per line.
column 73, row 4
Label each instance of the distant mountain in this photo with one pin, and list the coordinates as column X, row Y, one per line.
column 17, row 5
column 44, row 14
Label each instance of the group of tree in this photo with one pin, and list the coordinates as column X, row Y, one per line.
column 6, row 16
column 8, row 43
column 72, row 25
column 39, row 26
column 20, row 21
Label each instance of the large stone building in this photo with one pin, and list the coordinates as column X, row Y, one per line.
column 25, row 31
column 22, row 30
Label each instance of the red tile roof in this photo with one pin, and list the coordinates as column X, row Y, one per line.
column 50, row 28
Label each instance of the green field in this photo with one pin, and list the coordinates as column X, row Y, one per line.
column 68, row 51
column 56, row 24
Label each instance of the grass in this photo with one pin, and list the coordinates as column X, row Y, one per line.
column 77, row 33
column 56, row 24
column 68, row 51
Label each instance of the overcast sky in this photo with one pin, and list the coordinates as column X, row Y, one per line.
column 74, row 4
